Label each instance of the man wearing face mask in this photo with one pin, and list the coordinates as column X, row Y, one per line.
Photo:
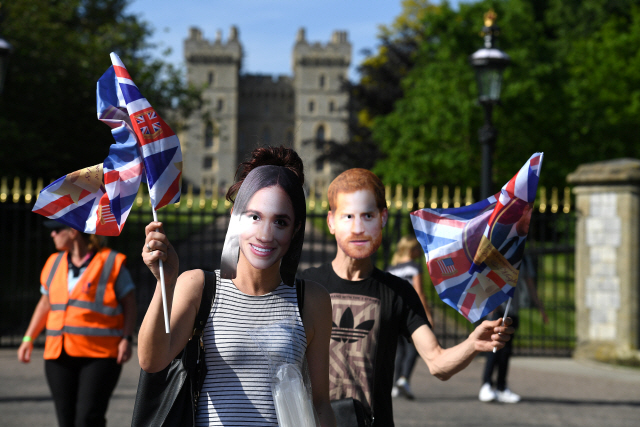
column 371, row 308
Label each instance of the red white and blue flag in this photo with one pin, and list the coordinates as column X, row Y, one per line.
column 158, row 144
column 474, row 252
column 98, row 199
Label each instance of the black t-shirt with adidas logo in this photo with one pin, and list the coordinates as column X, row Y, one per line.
column 368, row 317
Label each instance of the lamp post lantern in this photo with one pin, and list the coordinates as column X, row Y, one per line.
column 489, row 63
column 5, row 51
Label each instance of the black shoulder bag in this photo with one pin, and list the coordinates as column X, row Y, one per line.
column 169, row 397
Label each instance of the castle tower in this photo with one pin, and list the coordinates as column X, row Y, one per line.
column 210, row 146
column 321, row 111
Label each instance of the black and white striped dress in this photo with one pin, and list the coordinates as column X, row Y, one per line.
column 237, row 388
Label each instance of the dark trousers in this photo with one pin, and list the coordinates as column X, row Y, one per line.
column 499, row 360
column 406, row 355
column 81, row 388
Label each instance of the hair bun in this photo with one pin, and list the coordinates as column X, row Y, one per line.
column 264, row 156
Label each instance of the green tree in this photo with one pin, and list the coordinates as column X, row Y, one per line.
column 572, row 91
column 61, row 48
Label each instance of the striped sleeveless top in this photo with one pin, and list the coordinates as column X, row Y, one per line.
column 237, row 387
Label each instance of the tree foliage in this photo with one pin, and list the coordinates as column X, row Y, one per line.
column 61, row 48
column 572, row 91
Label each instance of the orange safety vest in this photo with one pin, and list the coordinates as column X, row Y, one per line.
column 88, row 322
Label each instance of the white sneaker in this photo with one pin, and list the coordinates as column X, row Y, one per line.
column 507, row 396
column 487, row 394
column 395, row 392
column 403, row 387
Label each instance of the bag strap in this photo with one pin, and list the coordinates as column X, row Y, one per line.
column 208, row 295
column 300, row 294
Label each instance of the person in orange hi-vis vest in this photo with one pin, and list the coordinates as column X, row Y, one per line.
column 88, row 308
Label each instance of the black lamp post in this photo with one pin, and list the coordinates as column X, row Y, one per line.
column 489, row 63
column 5, row 51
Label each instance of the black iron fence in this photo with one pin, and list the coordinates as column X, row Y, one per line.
column 197, row 228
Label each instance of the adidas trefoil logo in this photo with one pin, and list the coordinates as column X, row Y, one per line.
column 346, row 332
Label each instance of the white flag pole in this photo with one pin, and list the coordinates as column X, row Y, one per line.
column 163, row 288
column 504, row 318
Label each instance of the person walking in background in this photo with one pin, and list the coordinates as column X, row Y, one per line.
column 499, row 361
column 405, row 265
column 88, row 308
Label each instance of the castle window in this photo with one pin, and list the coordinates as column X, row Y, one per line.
column 320, row 163
column 266, row 135
column 290, row 108
column 208, row 135
column 332, row 107
column 321, row 81
column 207, row 163
column 210, row 78
column 320, row 134
column 220, row 105
column 312, row 106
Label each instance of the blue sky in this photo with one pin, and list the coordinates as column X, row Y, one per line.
column 267, row 27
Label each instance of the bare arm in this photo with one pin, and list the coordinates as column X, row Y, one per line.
column 36, row 325
column 417, row 285
column 129, row 309
column 444, row 363
column 156, row 348
column 317, row 325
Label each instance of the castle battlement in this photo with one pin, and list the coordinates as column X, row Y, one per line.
column 337, row 52
column 198, row 50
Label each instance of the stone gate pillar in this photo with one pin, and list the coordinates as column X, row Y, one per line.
column 607, row 260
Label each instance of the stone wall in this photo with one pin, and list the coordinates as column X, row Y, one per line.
column 607, row 260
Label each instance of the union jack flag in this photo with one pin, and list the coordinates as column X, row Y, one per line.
column 157, row 142
column 473, row 253
column 98, row 199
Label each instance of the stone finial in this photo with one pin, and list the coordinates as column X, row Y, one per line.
column 195, row 33
column 620, row 171
column 218, row 36
column 233, row 34
column 301, row 37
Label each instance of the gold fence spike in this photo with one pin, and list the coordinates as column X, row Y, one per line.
column 398, row 199
column 421, row 203
column 312, row 197
column 325, row 191
column 543, row 200
column 554, row 199
column 445, row 197
column 214, row 197
column 433, row 201
column 410, row 199
column 202, row 199
column 140, row 196
column 567, row 200
column 189, row 196
column 456, row 197
column 28, row 196
column 4, row 190
column 387, row 195
column 468, row 198
column 39, row 184
column 15, row 191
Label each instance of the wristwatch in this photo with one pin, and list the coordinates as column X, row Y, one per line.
column 128, row 338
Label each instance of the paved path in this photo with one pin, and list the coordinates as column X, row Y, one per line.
column 556, row 392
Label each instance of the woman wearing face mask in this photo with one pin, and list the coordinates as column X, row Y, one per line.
column 256, row 288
